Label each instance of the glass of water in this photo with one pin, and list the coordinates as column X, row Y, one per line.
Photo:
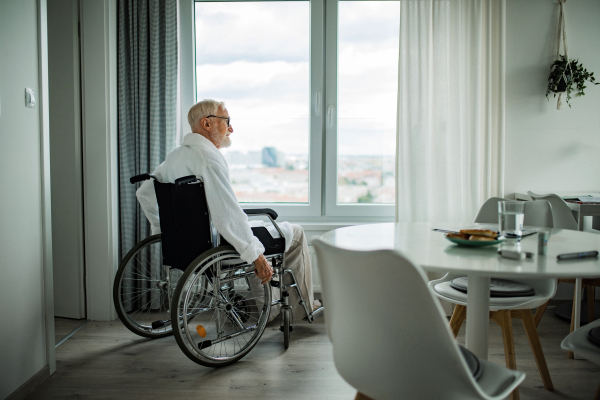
column 510, row 218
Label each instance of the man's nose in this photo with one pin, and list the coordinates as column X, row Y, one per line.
column 230, row 128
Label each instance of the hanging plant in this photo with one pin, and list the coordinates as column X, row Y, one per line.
column 567, row 76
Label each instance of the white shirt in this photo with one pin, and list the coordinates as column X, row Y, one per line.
column 198, row 156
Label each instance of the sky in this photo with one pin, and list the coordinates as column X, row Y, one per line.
column 255, row 57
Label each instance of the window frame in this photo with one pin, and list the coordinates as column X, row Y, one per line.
column 331, row 89
column 323, row 160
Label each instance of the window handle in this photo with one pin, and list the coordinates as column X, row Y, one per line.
column 317, row 104
column 330, row 116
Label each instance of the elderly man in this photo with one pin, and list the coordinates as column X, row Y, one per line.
column 199, row 155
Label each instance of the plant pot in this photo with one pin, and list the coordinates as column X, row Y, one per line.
column 562, row 84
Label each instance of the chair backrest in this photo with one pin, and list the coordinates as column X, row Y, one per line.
column 563, row 217
column 537, row 213
column 488, row 213
column 390, row 336
column 184, row 222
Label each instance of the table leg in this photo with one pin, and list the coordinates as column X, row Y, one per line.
column 478, row 314
column 577, row 306
column 580, row 219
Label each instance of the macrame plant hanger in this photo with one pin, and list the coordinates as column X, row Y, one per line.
column 562, row 31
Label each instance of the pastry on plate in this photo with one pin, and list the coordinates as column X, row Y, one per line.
column 481, row 238
column 480, row 232
column 457, row 236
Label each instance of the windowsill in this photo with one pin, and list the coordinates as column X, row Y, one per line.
column 326, row 221
column 313, row 229
column 327, row 226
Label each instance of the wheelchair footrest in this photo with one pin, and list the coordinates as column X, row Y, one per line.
column 315, row 314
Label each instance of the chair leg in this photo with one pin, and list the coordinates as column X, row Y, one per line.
column 503, row 318
column 539, row 313
column 360, row 396
column 536, row 347
column 591, row 298
column 458, row 316
column 570, row 354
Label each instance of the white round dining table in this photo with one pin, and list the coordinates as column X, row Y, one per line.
column 433, row 252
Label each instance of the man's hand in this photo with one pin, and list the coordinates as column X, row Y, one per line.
column 262, row 269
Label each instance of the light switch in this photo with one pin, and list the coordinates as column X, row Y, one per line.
column 29, row 98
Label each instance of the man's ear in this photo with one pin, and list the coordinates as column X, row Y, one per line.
column 205, row 124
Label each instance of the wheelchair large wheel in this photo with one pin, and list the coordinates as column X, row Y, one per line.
column 141, row 290
column 221, row 315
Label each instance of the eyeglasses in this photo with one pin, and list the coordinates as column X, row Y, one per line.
column 227, row 119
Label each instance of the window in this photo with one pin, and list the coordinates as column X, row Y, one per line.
column 367, row 92
column 313, row 108
column 259, row 66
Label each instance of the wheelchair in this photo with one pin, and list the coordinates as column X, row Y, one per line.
column 188, row 281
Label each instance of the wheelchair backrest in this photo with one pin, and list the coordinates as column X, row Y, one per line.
column 184, row 221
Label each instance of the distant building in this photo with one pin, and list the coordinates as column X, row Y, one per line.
column 269, row 156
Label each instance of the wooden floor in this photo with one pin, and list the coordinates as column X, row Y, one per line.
column 64, row 326
column 104, row 360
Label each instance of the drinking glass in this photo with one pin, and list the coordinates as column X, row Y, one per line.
column 510, row 218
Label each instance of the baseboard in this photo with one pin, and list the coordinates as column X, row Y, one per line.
column 28, row 387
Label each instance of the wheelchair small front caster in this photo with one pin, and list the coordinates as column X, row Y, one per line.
column 286, row 328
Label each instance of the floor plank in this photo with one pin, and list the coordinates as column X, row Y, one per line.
column 104, row 360
column 64, row 326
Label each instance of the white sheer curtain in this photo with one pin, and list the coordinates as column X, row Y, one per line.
column 450, row 138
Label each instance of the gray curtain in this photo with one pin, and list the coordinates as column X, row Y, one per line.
column 147, row 101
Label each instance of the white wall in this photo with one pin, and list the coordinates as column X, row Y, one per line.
column 549, row 150
column 546, row 149
column 23, row 351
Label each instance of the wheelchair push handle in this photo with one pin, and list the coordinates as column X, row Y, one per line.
column 186, row 179
column 141, row 177
column 146, row 176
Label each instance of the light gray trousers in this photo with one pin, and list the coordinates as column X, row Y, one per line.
column 297, row 260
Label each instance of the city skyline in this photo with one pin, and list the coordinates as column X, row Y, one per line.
column 255, row 178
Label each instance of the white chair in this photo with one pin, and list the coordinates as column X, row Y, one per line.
column 390, row 337
column 503, row 309
column 488, row 213
column 578, row 342
column 537, row 213
column 561, row 213
column 564, row 219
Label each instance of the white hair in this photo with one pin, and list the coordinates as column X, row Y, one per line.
column 203, row 109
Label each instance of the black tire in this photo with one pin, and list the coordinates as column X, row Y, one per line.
column 140, row 291
column 218, row 312
column 286, row 328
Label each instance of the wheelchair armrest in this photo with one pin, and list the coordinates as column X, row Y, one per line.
column 268, row 212
column 258, row 211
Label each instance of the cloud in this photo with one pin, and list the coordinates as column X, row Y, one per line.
column 242, row 79
column 372, row 24
column 250, row 31
column 255, row 57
